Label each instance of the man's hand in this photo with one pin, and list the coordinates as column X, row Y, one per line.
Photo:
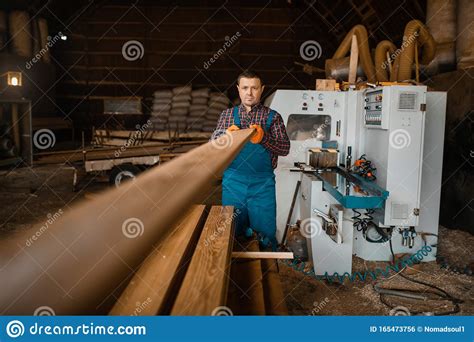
column 232, row 128
column 258, row 135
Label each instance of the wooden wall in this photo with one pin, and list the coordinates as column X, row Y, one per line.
column 177, row 41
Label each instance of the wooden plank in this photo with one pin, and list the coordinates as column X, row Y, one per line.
column 255, row 288
column 154, row 136
column 197, row 15
column 246, row 289
column 205, row 285
column 325, row 84
column 113, row 153
column 158, row 277
column 262, row 255
column 136, row 151
column 178, row 61
column 16, row 126
column 354, row 59
column 273, row 292
column 51, row 122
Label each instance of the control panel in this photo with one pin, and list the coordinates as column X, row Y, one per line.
column 315, row 101
column 374, row 113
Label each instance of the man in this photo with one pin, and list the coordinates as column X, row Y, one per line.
column 248, row 183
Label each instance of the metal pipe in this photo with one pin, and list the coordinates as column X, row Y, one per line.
column 338, row 69
column 441, row 22
column 398, row 293
column 74, row 263
column 465, row 31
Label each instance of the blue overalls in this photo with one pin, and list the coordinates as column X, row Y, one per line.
column 248, row 184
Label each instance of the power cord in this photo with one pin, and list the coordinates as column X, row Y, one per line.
column 415, row 294
column 444, row 262
column 366, row 224
column 301, row 266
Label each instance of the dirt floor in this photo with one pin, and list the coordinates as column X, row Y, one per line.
column 307, row 296
column 31, row 195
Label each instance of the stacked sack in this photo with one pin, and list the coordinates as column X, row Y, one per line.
column 161, row 108
column 217, row 103
column 198, row 109
column 181, row 101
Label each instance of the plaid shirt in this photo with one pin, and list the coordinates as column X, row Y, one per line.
column 276, row 140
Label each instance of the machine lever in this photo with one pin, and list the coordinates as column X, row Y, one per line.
column 324, row 216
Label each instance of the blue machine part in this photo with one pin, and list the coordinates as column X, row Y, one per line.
column 352, row 191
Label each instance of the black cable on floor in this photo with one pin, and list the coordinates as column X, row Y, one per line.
column 437, row 291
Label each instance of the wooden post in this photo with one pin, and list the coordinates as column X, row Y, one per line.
column 354, row 59
column 417, row 65
column 16, row 126
column 389, row 63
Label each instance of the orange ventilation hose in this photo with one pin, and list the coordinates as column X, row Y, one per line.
column 415, row 30
column 381, row 63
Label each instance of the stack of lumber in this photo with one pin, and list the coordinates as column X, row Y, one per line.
column 189, row 272
column 180, row 276
column 255, row 288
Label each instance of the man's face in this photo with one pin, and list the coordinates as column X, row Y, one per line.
column 250, row 91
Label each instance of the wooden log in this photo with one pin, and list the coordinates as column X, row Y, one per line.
column 159, row 276
column 91, row 248
column 204, row 288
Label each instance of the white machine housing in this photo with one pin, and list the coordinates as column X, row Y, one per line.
column 400, row 129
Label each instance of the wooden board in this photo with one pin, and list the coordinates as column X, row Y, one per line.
column 164, row 135
column 262, row 255
column 325, row 84
column 354, row 59
column 275, row 303
column 150, row 291
column 255, row 288
column 205, row 285
column 113, row 153
column 246, row 289
column 51, row 123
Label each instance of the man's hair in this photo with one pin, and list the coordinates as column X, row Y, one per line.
column 249, row 74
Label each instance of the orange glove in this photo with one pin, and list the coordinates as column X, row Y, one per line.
column 258, row 135
column 232, row 128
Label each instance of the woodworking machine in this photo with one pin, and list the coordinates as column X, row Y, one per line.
column 369, row 164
